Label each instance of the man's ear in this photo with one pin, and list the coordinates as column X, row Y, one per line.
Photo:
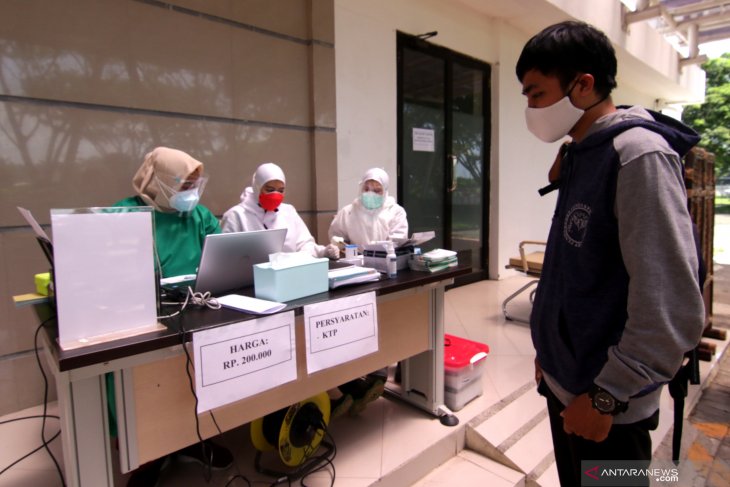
column 583, row 90
column 585, row 84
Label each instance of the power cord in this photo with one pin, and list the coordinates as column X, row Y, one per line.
column 195, row 298
column 326, row 459
column 208, row 457
column 45, row 402
column 35, row 450
column 205, row 299
column 188, row 364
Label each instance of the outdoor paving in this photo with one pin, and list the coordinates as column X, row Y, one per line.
column 706, row 431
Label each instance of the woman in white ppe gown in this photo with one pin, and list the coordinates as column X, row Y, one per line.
column 262, row 208
column 373, row 216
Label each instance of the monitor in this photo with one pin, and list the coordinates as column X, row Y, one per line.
column 228, row 258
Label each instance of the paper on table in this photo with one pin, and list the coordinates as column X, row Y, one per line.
column 352, row 275
column 250, row 305
column 33, row 223
column 416, row 239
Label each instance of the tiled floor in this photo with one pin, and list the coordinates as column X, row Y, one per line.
column 389, row 441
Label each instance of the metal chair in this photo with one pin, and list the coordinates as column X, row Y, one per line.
column 529, row 264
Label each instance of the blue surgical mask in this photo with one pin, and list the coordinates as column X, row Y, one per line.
column 371, row 201
column 185, row 201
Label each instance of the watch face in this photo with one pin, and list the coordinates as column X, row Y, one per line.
column 604, row 402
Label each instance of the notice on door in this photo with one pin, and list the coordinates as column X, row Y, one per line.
column 423, row 140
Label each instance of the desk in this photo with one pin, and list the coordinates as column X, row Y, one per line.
column 155, row 406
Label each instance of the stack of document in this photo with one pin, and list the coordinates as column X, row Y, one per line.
column 351, row 275
column 433, row 261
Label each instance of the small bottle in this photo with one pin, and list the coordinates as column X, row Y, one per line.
column 392, row 261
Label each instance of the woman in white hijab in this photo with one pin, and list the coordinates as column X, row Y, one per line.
column 262, row 208
column 373, row 216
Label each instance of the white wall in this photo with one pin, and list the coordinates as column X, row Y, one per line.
column 365, row 40
column 365, row 60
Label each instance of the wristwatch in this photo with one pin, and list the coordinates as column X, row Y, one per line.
column 604, row 402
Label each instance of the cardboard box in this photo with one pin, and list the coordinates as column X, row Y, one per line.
column 277, row 283
column 464, row 362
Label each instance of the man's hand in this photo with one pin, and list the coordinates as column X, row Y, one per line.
column 538, row 372
column 580, row 418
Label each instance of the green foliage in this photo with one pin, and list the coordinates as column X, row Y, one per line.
column 712, row 118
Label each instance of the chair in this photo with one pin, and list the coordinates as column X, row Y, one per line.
column 529, row 264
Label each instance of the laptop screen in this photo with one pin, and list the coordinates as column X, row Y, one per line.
column 228, row 258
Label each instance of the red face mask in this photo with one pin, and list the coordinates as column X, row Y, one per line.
column 270, row 201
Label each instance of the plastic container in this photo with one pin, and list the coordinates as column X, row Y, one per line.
column 464, row 362
column 392, row 262
column 350, row 251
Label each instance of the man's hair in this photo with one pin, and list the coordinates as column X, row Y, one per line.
column 570, row 48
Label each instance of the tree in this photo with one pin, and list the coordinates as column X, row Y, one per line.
column 712, row 118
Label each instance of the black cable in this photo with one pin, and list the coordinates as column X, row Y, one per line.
column 323, row 458
column 33, row 451
column 45, row 400
column 239, row 475
column 208, row 471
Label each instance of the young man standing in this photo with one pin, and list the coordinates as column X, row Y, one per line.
column 619, row 302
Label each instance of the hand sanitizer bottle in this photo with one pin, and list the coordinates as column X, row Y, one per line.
column 392, row 262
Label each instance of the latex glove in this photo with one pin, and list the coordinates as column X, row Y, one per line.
column 582, row 419
column 332, row 251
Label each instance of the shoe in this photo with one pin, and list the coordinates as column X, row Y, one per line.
column 340, row 406
column 148, row 475
column 219, row 457
column 375, row 389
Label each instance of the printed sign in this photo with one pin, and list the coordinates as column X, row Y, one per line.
column 340, row 330
column 423, row 140
column 237, row 361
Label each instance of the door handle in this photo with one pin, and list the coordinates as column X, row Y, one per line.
column 453, row 174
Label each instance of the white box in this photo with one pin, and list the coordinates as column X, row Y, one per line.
column 464, row 362
column 457, row 379
column 455, row 400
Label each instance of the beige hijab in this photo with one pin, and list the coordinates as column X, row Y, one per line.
column 167, row 165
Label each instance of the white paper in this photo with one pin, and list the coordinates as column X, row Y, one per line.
column 237, row 361
column 351, row 275
column 416, row 239
column 33, row 223
column 340, row 330
column 104, row 273
column 250, row 305
column 423, row 140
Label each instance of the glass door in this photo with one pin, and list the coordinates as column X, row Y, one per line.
column 443, row 100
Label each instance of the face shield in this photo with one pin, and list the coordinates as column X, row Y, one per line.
column 181, row 194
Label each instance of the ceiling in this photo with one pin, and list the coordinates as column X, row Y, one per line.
column 688, row 23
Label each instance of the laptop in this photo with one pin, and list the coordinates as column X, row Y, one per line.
column 228, row 258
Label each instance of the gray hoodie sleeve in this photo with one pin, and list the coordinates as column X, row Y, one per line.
column 665, row 306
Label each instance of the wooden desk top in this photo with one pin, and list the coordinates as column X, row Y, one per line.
column 196, row 319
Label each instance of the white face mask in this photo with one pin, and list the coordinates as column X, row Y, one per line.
column 553, row 122
column 184, row 201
